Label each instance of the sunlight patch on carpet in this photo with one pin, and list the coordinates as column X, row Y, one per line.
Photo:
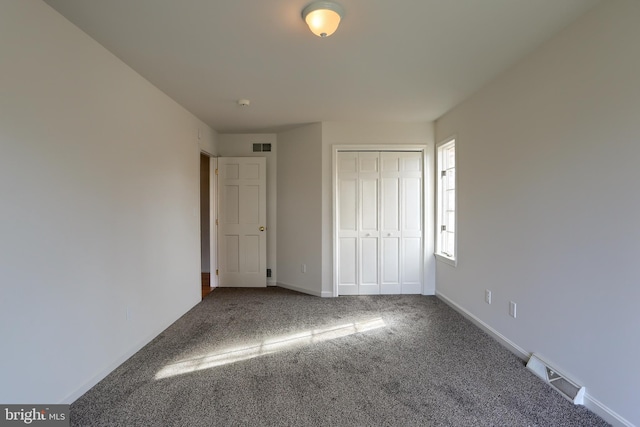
column 268, row 346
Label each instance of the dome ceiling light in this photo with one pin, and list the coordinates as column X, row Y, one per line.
column 323, row 17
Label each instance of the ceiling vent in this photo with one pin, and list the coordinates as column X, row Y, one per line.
column 258, row 148
column 569, row 389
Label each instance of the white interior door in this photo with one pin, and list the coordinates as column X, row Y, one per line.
column 242, row 221
column 379, row 219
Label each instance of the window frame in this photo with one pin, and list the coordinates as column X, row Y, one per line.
column 439, row 205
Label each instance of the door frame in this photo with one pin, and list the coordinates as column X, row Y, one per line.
column 213, row 217
column 213, row 214
column 428, row 209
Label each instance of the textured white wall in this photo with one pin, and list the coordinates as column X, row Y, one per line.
column 241, row 145
column 99, row 246
column 305, row 207
column 207, row 139
column 548, row 204
column 300, row 208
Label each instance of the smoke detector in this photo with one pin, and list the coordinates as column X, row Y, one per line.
column 244, row 102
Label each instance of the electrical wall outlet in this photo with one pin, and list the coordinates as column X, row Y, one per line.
column 512, row 309
column 304, row 268
column 487, row 296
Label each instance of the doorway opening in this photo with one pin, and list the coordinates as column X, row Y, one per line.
column 208, row 229
column 205, row 231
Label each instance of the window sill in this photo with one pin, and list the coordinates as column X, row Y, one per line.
column 446, row 260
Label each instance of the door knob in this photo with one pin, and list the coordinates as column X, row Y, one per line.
column 261, row 228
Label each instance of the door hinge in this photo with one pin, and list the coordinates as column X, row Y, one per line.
column 217, row 272
column 216, row 171
column 443, row 228
column 216, row 221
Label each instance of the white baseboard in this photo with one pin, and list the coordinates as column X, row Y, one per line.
column 302, row 290
column 110, row 368
column 590, row 402
column 510, row 345
column 119, row 361
column 612, row 417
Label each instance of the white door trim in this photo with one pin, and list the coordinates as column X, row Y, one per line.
column 213, row 215
column 427, row 217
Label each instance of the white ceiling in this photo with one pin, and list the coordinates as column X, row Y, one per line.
column 402, row 60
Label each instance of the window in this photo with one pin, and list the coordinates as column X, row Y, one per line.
column 446, row 202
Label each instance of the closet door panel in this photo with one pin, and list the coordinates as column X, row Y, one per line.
column 348, row 218
column 411, row 204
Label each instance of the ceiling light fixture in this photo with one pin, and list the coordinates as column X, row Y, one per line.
column 323, row 17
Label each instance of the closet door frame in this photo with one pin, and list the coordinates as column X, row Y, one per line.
column 428, row 271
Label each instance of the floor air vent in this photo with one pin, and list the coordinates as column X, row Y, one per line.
column 566, row 387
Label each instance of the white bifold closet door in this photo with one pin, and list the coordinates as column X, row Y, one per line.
column 380, row 229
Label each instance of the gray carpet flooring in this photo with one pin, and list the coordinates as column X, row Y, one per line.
column 273, row 357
